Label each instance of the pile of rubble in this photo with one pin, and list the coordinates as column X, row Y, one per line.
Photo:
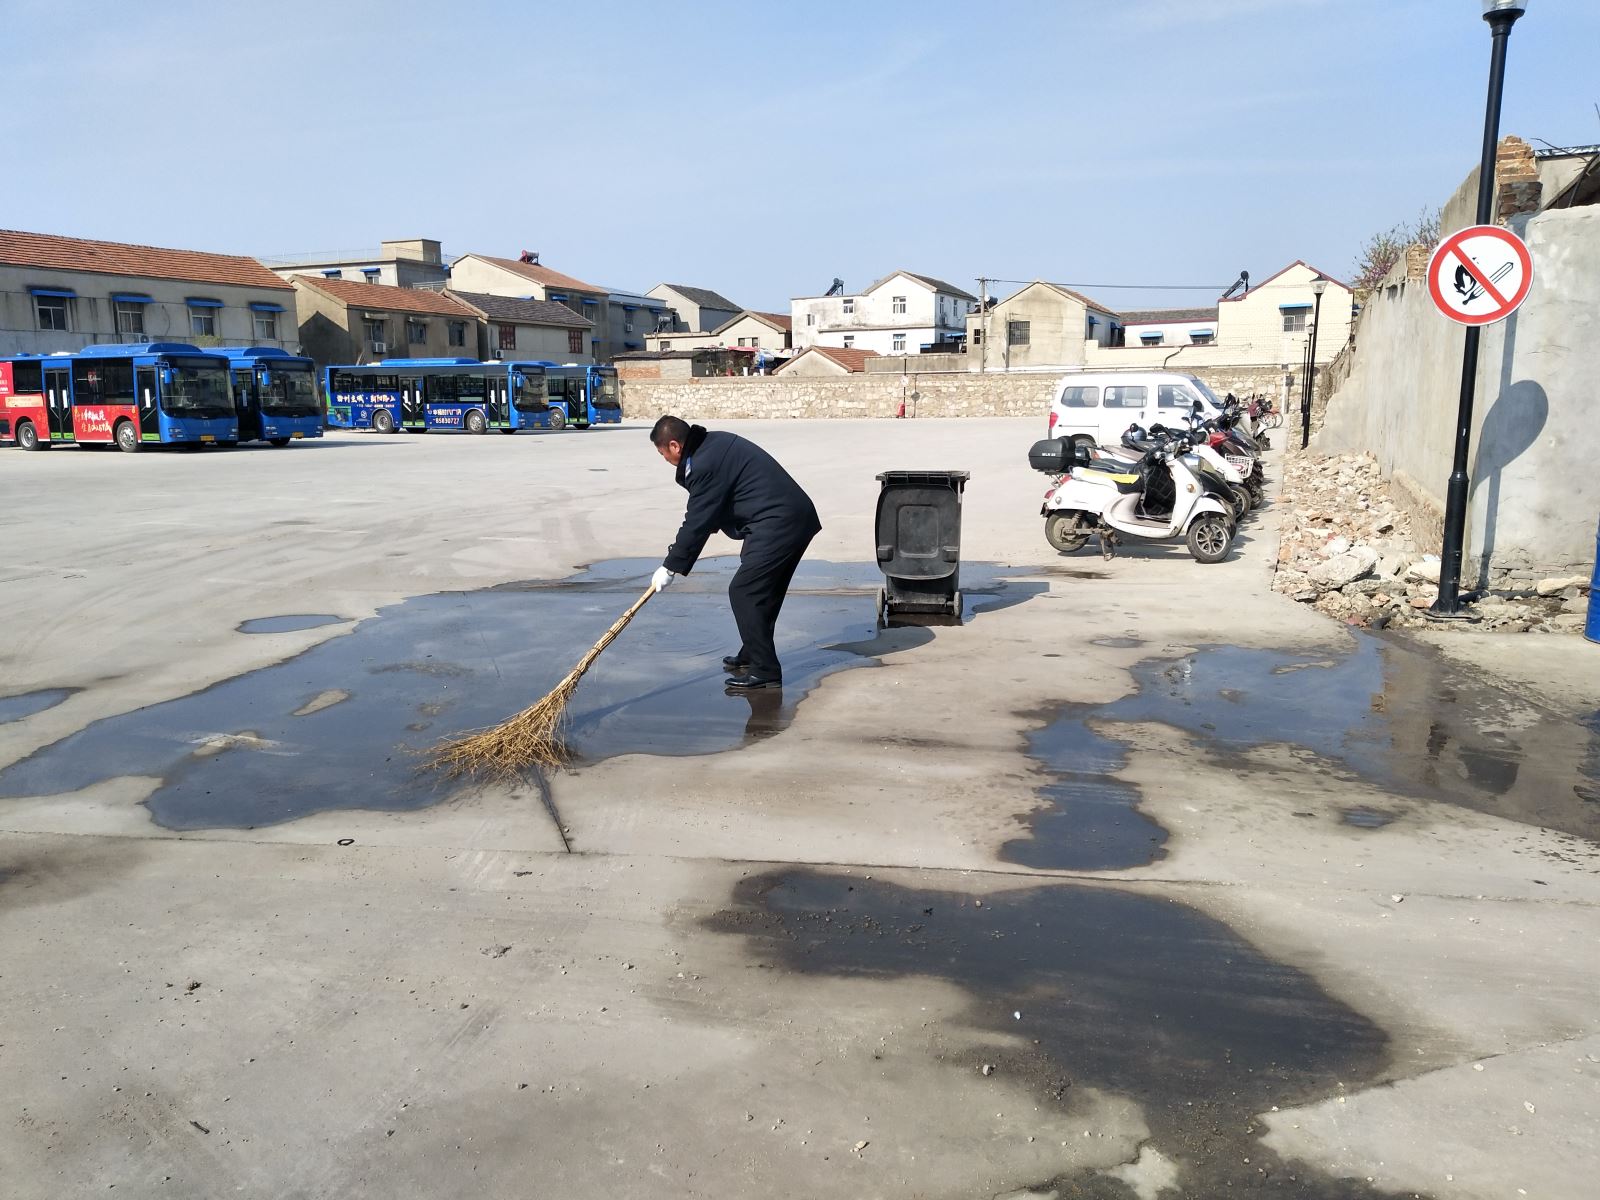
column 1346, row 549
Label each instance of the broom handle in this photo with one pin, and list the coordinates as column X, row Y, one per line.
column 609, row 636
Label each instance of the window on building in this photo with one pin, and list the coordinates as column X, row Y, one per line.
column 508, row 337
column 202, row 322
column 1294, row 320
column 977, row 336
column 665, row 345
column 416, row 332
column 849, row 340
column 811, row 318
column 334, row 274
column 1202, row 339
column 1150, row 339
column 575, row 342
column 377, row 332
column 130, row 318
column 898, row 342
column 849, row 306
column 370, row 274
column 898, row 306
column 458, row 333
column 266, row 326
column 52, row 312
column 1018, row 333
column 627, row 325
column 755, row 343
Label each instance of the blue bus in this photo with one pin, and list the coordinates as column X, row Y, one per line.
column 274, row 394
column 422, row 394
column 163, row 393
column 582, row 396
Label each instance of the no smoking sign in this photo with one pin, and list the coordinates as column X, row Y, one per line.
column 1480, row 275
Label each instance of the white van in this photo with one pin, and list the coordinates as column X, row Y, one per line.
column 1098, row 406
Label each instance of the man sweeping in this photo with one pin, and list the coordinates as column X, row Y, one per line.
column 737, row 487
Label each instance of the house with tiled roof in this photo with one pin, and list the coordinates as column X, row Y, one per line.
column 827, row 361
column 400, row 262
column 695, row 310
column 510, row 327
column 342, row 321
column 902, row 313
column 1042, row 324
column 64, row 293
column 746, row 330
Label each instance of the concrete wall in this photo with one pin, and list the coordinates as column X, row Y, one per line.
column 692, row 317
column 92, row 314
column 792, row 395
column 1058, row 326
column 1173, row 333
column 547, row 342
column 1535, row 488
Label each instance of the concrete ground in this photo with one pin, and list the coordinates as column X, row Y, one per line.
column 1144, row 881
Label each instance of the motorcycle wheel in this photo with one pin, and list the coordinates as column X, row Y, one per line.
column 1210, row 538
column 1066, row 532
column 1242, row 500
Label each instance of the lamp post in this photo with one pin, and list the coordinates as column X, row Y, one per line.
column 1501, row 15
column 1318, row 286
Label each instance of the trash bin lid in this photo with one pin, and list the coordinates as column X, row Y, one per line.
column 925, row 478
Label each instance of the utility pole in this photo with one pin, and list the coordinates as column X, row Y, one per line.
column 983, row 321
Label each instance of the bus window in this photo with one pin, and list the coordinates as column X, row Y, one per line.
column 27, row 378
column 471, row 387
column 532, row 395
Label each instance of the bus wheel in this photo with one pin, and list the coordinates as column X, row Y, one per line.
column 127, row 437
column 382, row 421
column 476, row 423
column 558, row 419
column 279, row 441
column 508, row 431
column 28, row 436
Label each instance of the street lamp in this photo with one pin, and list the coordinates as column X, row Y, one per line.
column 1501, row 15
column 1318, row 286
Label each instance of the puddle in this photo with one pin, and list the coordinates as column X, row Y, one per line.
column 1092, row 822
column 288, row 624
column 1129, row 993
column 26, row 704
column 1119, row 643
column 1365, row 818
column 340, row 725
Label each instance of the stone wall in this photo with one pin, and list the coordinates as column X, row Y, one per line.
column 939, row 394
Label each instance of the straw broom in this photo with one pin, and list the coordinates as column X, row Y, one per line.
column 532, row 738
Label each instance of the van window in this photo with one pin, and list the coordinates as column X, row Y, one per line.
column 1080, row 397
column 1174, row 395
column 1126, row 396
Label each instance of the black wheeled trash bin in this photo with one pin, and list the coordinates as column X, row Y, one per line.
column 919, row 541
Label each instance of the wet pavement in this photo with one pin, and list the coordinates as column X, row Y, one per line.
column 344, row 724
column 1095, row 987
column 27, row 704
column 290, row 623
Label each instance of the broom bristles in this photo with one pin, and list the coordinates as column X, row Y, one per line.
column 532, row 738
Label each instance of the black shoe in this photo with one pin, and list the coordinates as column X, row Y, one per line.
column 734, row 662
column 750, row 683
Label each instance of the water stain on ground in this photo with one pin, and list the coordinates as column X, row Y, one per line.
column 290, row 623
column 343, row 724
column 1132, row 994
column 27, row 704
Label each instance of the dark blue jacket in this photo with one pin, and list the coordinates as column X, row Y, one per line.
column 737, row 487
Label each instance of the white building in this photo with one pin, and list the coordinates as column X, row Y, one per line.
column 901, row 313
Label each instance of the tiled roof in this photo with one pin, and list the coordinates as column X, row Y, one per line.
column 526, row 312
column 1299, row 262
column 776, row 320
column 704, row 297
column 854, row 361
column 1082, row 299
column 389, row 299
column 45, row 251
column 542, row 275
column 937, row 285
column 782, row 320
column 1162, row 316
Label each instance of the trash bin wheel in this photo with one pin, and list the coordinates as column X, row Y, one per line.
column 883, row 605
column 955, row 606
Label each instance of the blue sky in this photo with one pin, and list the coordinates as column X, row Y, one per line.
column 762, row 149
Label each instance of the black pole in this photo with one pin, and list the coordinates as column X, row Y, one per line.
column 1311, row 373
column 1455, row 504
column 1305, row 403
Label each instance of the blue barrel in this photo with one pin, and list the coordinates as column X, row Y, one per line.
column 1591, row 628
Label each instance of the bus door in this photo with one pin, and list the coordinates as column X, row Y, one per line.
column 247, row 403
column 149, row 395
column 499, row 408
column 58, row 403
column 413, row 411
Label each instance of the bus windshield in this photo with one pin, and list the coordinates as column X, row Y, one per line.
column 291, row 393
column 197, row 390
column 531, row 394
column 607, row 395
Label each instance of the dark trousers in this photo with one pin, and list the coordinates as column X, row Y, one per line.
column 756, row 594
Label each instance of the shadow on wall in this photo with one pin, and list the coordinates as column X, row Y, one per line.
column 1510, row 428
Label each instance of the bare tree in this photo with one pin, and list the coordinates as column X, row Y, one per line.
column 1382, row 250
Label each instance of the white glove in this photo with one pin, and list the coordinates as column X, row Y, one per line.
column 661, row 578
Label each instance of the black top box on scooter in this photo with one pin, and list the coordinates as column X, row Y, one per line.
column 1053, row 456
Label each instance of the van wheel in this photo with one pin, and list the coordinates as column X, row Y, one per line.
column 1065, row 531
column 28, row 436
column 382, row 421
column 127, row 437
column 475, row 422
column 558, row 419
column 1210, row 538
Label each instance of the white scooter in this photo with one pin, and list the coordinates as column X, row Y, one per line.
column 1162, row 500
column 1201, row 454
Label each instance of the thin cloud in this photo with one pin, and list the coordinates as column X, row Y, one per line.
column 1165, row 14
